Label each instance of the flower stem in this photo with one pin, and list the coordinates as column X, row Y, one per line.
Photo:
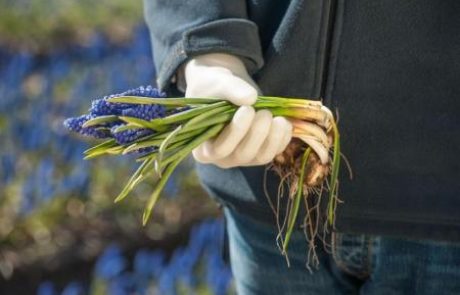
column 295, row 207
column 333, row 190
column 170, row 168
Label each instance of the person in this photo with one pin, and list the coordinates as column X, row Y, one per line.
column 391, row 69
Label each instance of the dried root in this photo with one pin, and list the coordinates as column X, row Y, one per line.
column 287, row 166
column 289, row 163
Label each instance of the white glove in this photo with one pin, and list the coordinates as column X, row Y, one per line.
column 251, row 138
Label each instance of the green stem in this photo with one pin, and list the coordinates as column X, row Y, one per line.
column 295, row 208
column 334, row 176
column 290, row 102
column 208, row 114
column 100, row 120
column 223, row 117
column 211, row 132
column 158, row 141
column 164, row 144
column 188, row 114
column 138, row 176
column 158, row 188
column 101, row 147
column 182, row 101
column 171, row 167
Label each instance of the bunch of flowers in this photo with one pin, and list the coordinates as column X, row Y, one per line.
column 163, row 131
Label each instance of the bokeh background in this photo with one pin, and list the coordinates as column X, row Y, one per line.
column 60, row 232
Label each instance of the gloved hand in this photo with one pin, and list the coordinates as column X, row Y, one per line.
column 251, row 138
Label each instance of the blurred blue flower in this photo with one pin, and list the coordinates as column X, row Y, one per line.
column 28, row 201
column 111, row 263
column 147, row 91
column 74, row 288
column 172, row 187
column 77, row 182
column 8, row 167
column 167, row 282
column 149, row 263
column 44, row 179
column 46, row 288
column 125, row 284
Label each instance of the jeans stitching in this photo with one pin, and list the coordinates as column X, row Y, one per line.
column 365, row 257
column 341, row 264
column 336, row 256
column 369, row 255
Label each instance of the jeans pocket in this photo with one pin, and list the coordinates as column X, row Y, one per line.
column 352, row 253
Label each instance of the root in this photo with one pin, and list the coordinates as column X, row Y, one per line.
column 315, row 225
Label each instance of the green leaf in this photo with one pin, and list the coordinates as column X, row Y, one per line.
column 164, row 144
column 178, row 157
column 138, row 176
column 116, row 150
column 287, row 102
column 295, row 208
column 162, row 101
column 100, row 120
column 125, row 127
column 209, row 114
column 172, row 164
column 144, row 157
column 333, row 189
column 106, row 147
column 101, row 146
column 141, row 123
column 151, row 142
column 185, row 115
column 159, row 188
column 225, row 117
column 209, row 133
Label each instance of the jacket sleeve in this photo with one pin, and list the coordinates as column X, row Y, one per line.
column 182, row 29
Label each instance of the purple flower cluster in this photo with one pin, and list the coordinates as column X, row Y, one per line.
column 145, row 111
column 76, row 125
column 128, row 136
column 102, row 107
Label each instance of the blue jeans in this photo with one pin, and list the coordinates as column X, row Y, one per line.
column 358, row 264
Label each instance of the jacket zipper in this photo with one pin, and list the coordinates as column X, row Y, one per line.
column 327, row 48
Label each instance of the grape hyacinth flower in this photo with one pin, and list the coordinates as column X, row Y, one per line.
column 103, row 108
column 145, row 112
column 76, row 125
column 128, row 136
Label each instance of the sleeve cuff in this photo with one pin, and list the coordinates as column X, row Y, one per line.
column 233, row 36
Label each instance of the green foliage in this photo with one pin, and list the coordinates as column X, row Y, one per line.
column 43, row 24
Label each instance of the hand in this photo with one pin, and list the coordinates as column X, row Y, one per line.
column 251, row 138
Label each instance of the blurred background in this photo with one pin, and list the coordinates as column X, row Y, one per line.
column 60, row 232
